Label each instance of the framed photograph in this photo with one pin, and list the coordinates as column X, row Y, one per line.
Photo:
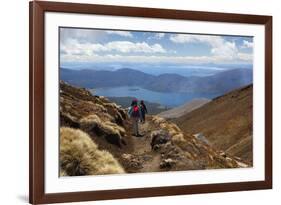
column 140, row 102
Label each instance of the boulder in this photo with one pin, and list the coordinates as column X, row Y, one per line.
column 167, row 163
column 159, row 137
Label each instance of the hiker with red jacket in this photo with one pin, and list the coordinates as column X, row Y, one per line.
column 135, row 114
column 143, row 111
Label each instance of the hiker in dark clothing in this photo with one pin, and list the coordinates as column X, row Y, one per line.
column 143, row 111
column 135, row 114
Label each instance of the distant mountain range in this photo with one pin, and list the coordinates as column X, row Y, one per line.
column 187, row 70
column 219, row 83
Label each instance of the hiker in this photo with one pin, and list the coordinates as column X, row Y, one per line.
column 134, row 114
column 143, row 111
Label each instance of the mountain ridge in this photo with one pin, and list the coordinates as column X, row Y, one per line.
column 230, row 80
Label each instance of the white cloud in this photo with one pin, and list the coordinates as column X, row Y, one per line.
column 221, row 51
column 81, row 35
column 121, row 33
column 219, row 46
column 247, row 44
column 159, row 35
column 73, row 47
column 127, row 47
column 225, row 49
column 183, row 38
column 88, row 35
column 245, row 56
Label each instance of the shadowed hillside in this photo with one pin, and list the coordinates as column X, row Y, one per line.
column 96, row 138
column 225, row 122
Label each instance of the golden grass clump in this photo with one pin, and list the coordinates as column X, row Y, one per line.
column 103, row 98
column 100, row 107
column 175, row 127
column 173, row 130
column 108, row 117
column 114, row 128
column 106, row 126
column 178, row 138
column 90, row 122
column 158, row 120
column 112, row 132
column 79, row 155
column 63, row 173
column 111, row 105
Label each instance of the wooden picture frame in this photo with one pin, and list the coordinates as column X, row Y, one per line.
column 37, row 101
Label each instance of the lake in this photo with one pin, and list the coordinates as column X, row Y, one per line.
column 169, row 99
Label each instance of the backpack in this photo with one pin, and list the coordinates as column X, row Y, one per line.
column 135, row 112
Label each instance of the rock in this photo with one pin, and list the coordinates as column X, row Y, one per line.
column 159, row 137
column 127, row 156
column 147, row 157
column 201, row 137
column 155, row 147
column 132, row 161
column 167, row 163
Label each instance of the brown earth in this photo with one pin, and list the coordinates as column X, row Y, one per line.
column 226, row 123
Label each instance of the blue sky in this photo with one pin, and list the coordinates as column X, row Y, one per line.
column 126, row 47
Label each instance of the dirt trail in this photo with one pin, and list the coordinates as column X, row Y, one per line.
column 142, row 147
column 141, row 144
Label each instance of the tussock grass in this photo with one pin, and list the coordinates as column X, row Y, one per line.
column 158, row 120
column 90, row 122
column 62, row 173
column 174, row 131
column 113, row 128
column 111, row 105
column 178, row 138
column 101, row 107
column 79, row 155
column 112, row 132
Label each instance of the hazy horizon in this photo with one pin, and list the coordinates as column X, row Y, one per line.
column 184, row 70
column 112, row 50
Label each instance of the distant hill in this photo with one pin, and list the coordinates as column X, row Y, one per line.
column 97, row 78
column 184, row 109
column 226, row 122
column 219, row 83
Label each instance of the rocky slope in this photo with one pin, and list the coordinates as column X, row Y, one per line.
column 225, row 123
column 96, row 138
